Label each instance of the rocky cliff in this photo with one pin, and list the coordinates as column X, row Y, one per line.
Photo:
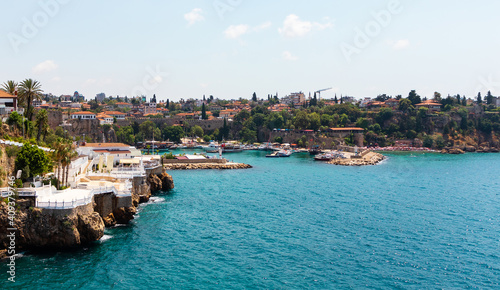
column 53, row 229
column 163, row 182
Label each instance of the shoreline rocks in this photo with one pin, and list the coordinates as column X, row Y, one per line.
column 199, row 166
column 452, row 151
column 371, row 158
column 39, row 228
column 163, row 182
column 470, row 149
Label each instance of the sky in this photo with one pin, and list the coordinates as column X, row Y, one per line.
column 232, row 48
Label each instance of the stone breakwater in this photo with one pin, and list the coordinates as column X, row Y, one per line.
column 371, row 158
column 195, row 166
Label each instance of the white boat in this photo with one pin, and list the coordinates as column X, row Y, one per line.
column 281, row 153
column 266, row 147
column 230, row 148
column 212, row 148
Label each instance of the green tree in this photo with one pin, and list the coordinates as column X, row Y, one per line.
column 301, row 120
column 254, row 97
column 405, row 105
column 242, row 116
column 489, row 98
column 10, row 87
column 440, row 143
column 248, row 135
column 197, row 131
column 314, row 121
column 225, row 130
column 428, row 141
column 29, row 90
column 173, row 133
column 275, row 121
column 383, row 115
column 147, row 128
column 344, row 118
column 479, row 99
column 15, row 120
column 203, row 112
column 33, row 157
column 126, row 135
column 414, row 97
column 362, row 123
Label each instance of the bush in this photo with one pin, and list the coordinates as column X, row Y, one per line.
column 168, row 155
column 428, row 141
column 440, row 142
column 18, row 183
column 12, row 150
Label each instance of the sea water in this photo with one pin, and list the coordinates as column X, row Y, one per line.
column 417, row 220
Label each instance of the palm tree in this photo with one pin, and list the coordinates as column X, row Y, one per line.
column 70, row 154
column 30, row 90
column 57, row 156
column 10, row 87
column 42, row 122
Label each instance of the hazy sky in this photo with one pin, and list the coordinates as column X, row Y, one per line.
column 231, row 48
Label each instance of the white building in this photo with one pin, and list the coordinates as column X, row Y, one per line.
column 105, row 119
column 117, row 150
column 84, row 115
column 8, row 103
column 116, row 114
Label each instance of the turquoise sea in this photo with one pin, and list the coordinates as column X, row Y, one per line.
column 417, row 220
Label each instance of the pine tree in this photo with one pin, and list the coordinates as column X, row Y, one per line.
column 489, row 98
column 168, row 104
column 336, row 100
column 203, row 112
column 254, row 97
column 479, row 99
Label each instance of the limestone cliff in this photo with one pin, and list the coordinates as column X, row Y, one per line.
column 163, row 182
column 46, row 228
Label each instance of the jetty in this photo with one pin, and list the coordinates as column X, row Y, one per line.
column 363, row 159
column 198, row 162
column 350, row 156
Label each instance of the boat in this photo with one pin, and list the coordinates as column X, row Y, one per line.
column 212, row 148
column 225, row 148
column 284, row 153
column 266, row 147
column 324, row 157
column 281, row 153
column 230, row 148
column 314, row 150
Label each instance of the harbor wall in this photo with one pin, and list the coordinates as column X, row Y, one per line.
column 195, row 161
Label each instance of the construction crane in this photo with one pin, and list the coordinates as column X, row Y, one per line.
column 319, row 92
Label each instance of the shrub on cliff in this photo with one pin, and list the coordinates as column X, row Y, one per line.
column 34, row 158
